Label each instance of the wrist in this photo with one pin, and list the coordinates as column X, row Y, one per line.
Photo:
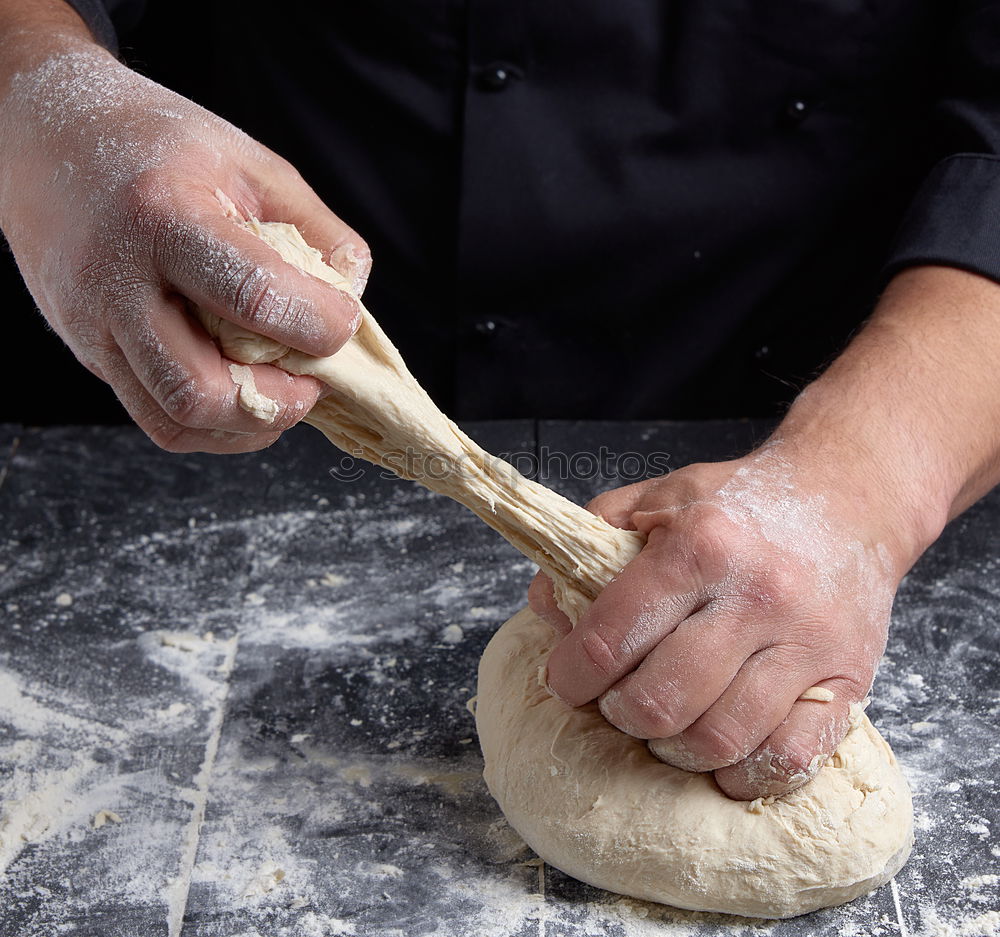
column 885, row 478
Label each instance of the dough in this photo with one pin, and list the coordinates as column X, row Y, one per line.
column 598, row 805
column 378, row 411
column 587, row 798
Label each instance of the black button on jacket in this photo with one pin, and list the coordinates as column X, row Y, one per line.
column 616, row 209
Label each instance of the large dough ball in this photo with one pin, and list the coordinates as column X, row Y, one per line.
column 595, row 803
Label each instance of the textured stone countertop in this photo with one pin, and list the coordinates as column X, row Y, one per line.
column 233, row 700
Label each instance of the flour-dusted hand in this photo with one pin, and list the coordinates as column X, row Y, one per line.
column 110, row 201
column 760, row 580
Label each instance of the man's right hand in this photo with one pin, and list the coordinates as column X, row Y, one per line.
column 108, row 200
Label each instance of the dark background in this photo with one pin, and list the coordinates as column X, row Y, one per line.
column 754, row 373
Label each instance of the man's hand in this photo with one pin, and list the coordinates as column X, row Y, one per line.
column 108, row 200
column 757, row 582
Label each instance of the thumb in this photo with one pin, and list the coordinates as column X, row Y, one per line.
column 617, row 505
column 285, row 196
column 226, row 270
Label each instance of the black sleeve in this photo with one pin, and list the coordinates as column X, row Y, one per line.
column 954, row 220
column 106, row 17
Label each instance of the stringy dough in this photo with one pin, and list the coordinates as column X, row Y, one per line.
column 376, row 410
column 587, row 798
column 595, row 803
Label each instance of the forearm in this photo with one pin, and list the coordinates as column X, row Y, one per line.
column 34, row 125
column 31, row 30
column 909, row 414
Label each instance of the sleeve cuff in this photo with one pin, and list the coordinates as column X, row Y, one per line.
column 954, row 221
column 95, row 14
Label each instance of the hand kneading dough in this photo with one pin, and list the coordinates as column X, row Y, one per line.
column 595, row 803
column 587, row 798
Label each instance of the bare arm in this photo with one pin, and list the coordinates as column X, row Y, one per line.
column 774, row 573
column 30, row 27
column 109, row 202
column 918, row 389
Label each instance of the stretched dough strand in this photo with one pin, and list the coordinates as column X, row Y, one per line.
column 377, row 411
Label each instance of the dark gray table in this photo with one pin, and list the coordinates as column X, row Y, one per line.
column 262, row 672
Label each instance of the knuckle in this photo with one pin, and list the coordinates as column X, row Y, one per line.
column 148, row 190
column 283, row 165
column 650, row 716
column 101, row 281
column 781, row 584
column 156, row 239
column 720, row 739
column 600, row 654
column 262, row 307
column 711, row 546
column 183, row 400
column 614, row 503
column 144, row 208
column 89, row 331
column 88, row 278
column 169, row 437
column 604, row 503
column 854, row 681
column 100, row 354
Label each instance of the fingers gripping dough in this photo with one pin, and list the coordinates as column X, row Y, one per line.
column 597, row 804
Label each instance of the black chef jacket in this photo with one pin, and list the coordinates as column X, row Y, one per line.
column 616, row 208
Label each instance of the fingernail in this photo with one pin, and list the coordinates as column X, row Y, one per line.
column 362, row 268
column 543, row 679
column 675, row 753
column 356, row 318
column 605, row 703
column 354, row 264
column 606, row 706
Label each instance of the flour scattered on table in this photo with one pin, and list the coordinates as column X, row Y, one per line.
column 268, row 877
column 184, row 640
column 935, row 923
column 330, row 775
column 172, row 711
